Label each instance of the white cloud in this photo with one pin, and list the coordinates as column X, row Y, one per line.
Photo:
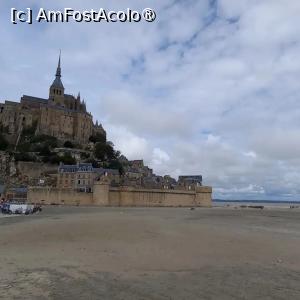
column 159, row 159
column 131, row 145
column 250, row 154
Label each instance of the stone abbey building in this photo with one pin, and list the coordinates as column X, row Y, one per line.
column 61, row 115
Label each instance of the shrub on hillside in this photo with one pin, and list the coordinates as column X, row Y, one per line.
column 97, row 138
column 23, row 156
column 68, row 144
column 3, row 143
column 67, row 159
column 104, row 151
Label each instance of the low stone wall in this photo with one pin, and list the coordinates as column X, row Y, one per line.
column 56, row 196
column 104, row 195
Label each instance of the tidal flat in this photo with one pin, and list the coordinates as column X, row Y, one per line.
column 151, row 253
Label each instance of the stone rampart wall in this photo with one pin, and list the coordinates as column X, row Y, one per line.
column 104, row 195
column 48, row 196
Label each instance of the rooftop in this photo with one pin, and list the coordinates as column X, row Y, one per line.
column 85, row 167
column 34, row 99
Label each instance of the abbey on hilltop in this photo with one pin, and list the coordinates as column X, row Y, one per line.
column 61, row 115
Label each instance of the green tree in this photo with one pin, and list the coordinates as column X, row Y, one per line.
column 45, row 151
column 23, row 156
column 116, row 165
column 68, row 144
column 100, row 151
column 67, row 159
column 94, row 163
column 104, row 151
column 4, row 129
column 30, row 131
column 3, row 143
column 54, row 159
column 24, row 147
column 98, row 138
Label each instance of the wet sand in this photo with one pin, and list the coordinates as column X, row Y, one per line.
column 151, row 253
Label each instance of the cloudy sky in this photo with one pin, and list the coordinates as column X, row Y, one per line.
column 211, row 87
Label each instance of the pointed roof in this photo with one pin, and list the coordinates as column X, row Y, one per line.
column 58, row 70
column 57, row 81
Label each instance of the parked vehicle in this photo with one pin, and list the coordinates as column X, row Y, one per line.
column 14, row 208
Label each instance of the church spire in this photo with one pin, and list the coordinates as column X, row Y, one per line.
column 57, row 90
column 57, row 81
column 58, row 70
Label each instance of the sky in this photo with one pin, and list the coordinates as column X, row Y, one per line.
column 210, row 87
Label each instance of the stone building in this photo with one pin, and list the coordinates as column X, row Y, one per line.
column 61, row 115
column 78, row 177
column 139, row 175
column 81, row 177
column 190, row 181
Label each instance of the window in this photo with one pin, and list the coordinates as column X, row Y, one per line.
column 78, row 181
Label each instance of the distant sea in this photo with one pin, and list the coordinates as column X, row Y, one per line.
column 271, row 203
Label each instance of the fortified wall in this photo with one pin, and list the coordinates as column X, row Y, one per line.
column 104, row 195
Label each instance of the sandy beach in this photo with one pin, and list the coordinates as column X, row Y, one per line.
column 151, row 253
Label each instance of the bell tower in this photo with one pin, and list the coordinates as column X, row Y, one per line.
column 57, row 90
